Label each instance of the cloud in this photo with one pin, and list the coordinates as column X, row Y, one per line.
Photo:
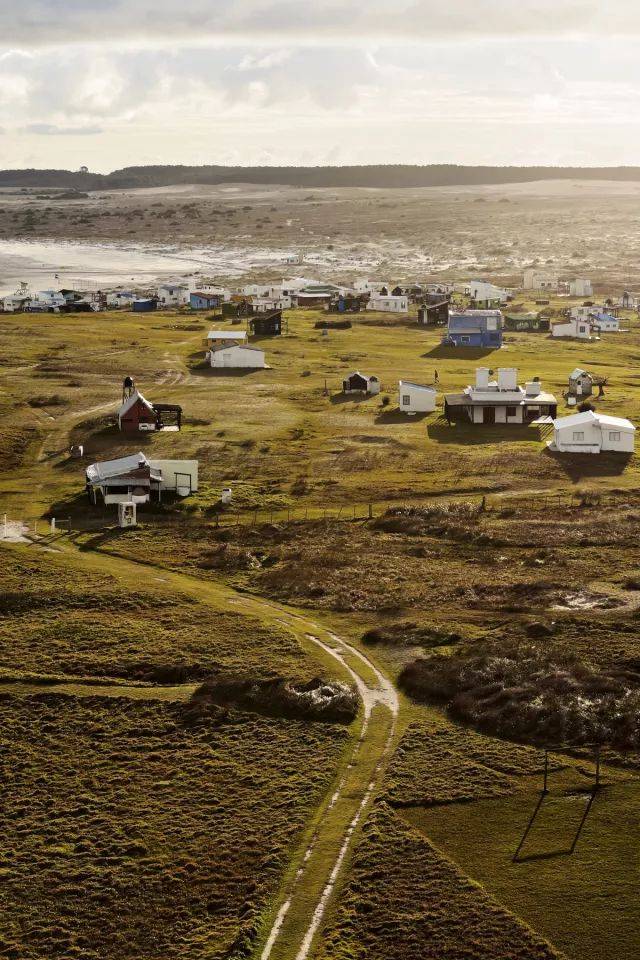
column 38, row 22
column 51, row 130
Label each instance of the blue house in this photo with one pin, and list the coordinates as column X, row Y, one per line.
column 205, row 301
column 475, row 328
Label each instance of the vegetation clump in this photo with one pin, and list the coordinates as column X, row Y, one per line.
column 315, row 699
column 533, row 692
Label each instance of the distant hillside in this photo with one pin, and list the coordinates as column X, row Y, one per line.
column 369, row 176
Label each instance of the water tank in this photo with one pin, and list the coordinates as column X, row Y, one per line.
column 532, row 388
column 127, row 514
column 482, row 378
column 226, row 496
column 507, row 378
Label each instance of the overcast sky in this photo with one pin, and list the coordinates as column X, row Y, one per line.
column 111, row 83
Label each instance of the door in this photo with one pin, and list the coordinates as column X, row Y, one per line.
column 488, row 415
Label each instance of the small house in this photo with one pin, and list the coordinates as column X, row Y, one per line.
column 173, row 295
column 605, row 323
column 580, row 288
column 573, row 328
column 416, row 397
column 630, row 301
column 134, row 479
column 391, row 304
column 526, row 323
column 360, row 383
column 316, row 295
column 580, row 383
column 138, row 415
column 434, row 314
column 144, row 305
column 591, row 432
column 266, row 324
column 201, row 300
column 501, row 401
column 486, row 294
column 475, row 328
column 16, row 303
column 236, row 356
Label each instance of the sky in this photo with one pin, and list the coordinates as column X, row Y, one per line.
column 114, row 83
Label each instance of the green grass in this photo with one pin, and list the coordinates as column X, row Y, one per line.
column 132, row 833
column 585, row 902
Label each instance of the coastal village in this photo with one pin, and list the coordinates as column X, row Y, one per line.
column 471, row 318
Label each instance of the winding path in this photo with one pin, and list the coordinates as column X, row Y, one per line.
column 298, row 913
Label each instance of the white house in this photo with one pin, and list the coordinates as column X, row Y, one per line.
column 416, row 397
column 605, row 323
column 48, row 300
column 212, row 289
column 501, row 401
column 133, row 479
column 574, row 328
column 484, row 291
column 236, row 356
column 388, row 304
column 15, row 303
column 173, row 294
column 269, row 304
column 120, row 298
column 580, row 288
column 540, row 280
column 365, row 285
column 591, row 432
column 358, row 382
column 256, row 290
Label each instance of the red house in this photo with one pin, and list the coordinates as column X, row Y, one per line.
column 138, row 415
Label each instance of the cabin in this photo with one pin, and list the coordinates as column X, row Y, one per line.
column 592, row 432
column 138, row 415
column 390, row 304
column 580, row 383
column 416, row 397
column 144, row 305
column 358, row 382
column 573, row 328
column 580, row 288
column 236, row 356
column 501, row 401
column 201, row 300
column 266, row 324
column 135, row 479
column 475, row 328
column 434, row 314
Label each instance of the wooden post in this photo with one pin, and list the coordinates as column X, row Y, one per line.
column 370, row 511
column 597, row 783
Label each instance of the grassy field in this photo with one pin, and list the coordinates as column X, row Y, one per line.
column 552, row 555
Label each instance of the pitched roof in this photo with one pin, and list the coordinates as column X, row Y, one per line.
column 589, row 416
column 131, row 401
column 418, row 386
column 115, row 468
column 227, row 335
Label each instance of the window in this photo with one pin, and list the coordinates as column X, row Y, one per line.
column 511, row 411
column 465, row 339
column 492, row 323
column 406, row 399
column 578, row 435
column 614, row 435
column 582, row 329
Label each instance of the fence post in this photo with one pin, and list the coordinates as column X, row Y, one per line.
column 370, row 511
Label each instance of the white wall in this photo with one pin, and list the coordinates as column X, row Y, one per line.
column 170, row 470
column 415, row 400
column 236, row 357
